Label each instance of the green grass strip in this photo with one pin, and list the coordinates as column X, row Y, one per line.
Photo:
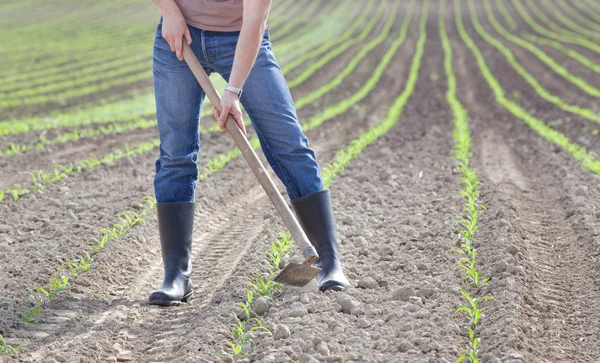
column 356, row 24
column 339, row 50
column 586, row 159
column 568, row 22
column 294, row 23
column 568, row 51
column 351, row 66
column 506, row 14
column 344, row 156
column 584, row 9
column 577, row 16
column 565, row 38
column 467, row 225
column 555, row 66
column 41, row 179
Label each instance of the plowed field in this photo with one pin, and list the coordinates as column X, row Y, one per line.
column 459, row 138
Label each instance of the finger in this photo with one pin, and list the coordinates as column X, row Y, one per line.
column 216, row 113
column 178, row 47
column 187, row 35
column 223, row 117
column 170, row 42
column 239, row 118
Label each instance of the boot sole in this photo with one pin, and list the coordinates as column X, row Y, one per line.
column 161, row 302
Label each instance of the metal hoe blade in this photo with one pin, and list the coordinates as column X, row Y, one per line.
column 297, row 274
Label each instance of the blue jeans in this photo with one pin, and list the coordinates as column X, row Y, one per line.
column 266, row 99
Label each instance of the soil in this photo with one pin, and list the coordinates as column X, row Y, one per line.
column 396, row 207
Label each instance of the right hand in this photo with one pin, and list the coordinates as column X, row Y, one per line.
column 174, row 29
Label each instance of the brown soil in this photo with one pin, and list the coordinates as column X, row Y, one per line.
column 396, row 207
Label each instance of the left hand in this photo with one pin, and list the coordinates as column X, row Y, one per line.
column 230, row 104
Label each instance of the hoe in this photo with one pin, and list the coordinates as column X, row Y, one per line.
column 294, row 274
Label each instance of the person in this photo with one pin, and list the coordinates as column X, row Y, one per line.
column 231, row 38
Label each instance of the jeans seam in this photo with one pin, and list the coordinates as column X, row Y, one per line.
column 283, row 172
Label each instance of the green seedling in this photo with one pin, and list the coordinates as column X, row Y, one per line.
column 57, row 286
column 470, row 354
column 472, row 310
column 101, row 242
column 471, row 273
column 78, row 266
column 31, row 316
column 9, row 350
column 240, row 337
column 265, row 287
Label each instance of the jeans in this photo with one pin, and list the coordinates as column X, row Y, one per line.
column 266, row 99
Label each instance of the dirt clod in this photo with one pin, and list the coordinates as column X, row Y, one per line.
column 403, row 294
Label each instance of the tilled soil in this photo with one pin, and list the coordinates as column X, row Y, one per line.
column 396, row 206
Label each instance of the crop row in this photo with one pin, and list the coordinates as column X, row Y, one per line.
column 586, row 159
column 352, row 64
column 328, row 56
column 468, row 222
column 144, row 107
column 551, row 63
column 239, row 342
column 214, row 166
column 544, row 93
column 578, row 16
column 558, row 34
column 56, row 68
column 325, row 48
column 569, row 23
column 295, row 23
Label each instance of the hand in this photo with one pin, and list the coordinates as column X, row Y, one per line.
column 230, row 104
column 174, row 29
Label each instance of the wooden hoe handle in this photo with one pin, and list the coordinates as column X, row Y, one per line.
column 259, row 170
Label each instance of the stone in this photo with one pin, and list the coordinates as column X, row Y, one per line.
column 299, row 312
column 125, row 356
column 364, row 323
column 261, row 305
column 281, row 332
column 426, row 292
column 322, row 348
column 386, row 251
column 276, row 357
column 367, row 283
column 581, row 190
column 403, row 294
column 347, row 303
column 307, row 358
column 304, row 298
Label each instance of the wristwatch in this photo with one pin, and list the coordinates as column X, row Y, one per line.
column 237, row 91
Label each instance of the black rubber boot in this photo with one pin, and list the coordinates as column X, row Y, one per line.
column 176, row 225
column 315, row 215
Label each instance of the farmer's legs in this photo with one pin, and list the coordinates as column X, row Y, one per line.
column 269, row 104
column 178, row 102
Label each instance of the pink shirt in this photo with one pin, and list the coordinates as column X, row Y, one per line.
column 214, row 15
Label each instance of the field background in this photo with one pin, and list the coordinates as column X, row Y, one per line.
column 459, row 139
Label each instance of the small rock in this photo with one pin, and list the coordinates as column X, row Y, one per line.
column 41, row 335
column 322, row 348
column 367, row 283
column 4, row 229
column 276, row 357
column 403, row 294
column 307, row 358
column 513, row 250
column 501, row 266
column 404, row 346
column 364, row 323
column 261, row 305
column 386, row 251
column 426, row 292
column 304, row 298
column 125, row 356
column 422, row 267
column 348, row 220
column 281, row 332
column 298, row 312
column 347, row 303
column 60, row 358
column 581, row 190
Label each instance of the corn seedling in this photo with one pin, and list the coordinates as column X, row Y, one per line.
column 9, row 350
column 265, row 287
column 468, row 223
column 31, row 316
column 78, row 266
